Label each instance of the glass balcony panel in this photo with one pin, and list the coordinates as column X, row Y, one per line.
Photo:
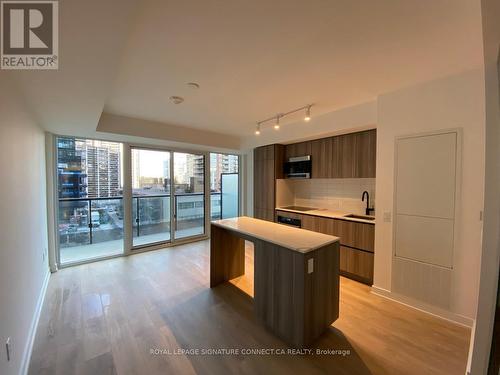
column 151, row 219
column 190, row 215
column 85, row 234
column 73, row 223
column 215, row 206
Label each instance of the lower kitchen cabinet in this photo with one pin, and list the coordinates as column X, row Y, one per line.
column 357, row 235
column 357, row 242
column 356, row 264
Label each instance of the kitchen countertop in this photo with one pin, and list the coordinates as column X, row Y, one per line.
column 327, row 213
column 295, row 239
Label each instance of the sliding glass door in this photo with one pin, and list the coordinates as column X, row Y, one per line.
column 158, row 216
column 151, row 206
column 189, row 195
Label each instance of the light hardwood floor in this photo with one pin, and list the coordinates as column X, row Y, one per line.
column 105, row 317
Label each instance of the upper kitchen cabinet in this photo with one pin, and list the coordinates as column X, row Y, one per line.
column 325, row 155
column 346, row 156
column 298, row 149
column 357, row 155
column 365, row 154
column 268, row 166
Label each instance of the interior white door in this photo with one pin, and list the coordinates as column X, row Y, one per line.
column 425, row 188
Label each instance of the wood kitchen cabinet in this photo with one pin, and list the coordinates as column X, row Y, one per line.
column 268, row 166
column 326, row 160
column 365, row 154
column 358, row 155
column 357, row 235
column 347, row 146
column 297, row 149
column 345, row 156
column 356, row 264
column 357, row 242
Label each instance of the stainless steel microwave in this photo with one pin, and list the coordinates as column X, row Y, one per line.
column 298, row 167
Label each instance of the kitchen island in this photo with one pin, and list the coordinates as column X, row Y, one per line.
column 296, row 274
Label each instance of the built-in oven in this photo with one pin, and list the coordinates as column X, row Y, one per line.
column 289, row 221
column 298, row 167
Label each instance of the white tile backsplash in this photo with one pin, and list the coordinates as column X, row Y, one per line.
column 337, row 194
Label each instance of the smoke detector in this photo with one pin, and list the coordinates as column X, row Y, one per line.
column 176, row 99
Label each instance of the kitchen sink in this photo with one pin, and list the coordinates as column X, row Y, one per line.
column 364, row 217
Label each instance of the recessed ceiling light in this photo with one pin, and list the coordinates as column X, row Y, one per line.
column 193, row 85
column 176, row 99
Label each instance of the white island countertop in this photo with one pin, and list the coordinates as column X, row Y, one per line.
column 295, row 239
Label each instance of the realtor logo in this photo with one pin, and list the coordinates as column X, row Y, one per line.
column 29, row 37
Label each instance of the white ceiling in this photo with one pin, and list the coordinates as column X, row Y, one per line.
column 251, row 58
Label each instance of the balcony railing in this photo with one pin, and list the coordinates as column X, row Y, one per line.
column 85, row 221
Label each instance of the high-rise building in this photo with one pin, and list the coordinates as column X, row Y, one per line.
column 72, row 181
column 88, row 168
column 195, row 172
column 136, row 169
column 221, row 163
column 102, row 167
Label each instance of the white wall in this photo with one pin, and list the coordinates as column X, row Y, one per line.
column 23, row 228
column 451, row 102
column 481, row 340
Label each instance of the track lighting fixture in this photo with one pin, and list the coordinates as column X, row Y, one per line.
column 276, row 118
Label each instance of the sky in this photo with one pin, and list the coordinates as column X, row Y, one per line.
column 151, row 163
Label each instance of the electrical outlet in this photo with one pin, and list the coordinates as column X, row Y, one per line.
column 387, row 216
column 310, row 265
column 7, row 348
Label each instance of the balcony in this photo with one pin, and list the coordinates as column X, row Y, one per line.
column 93, row 227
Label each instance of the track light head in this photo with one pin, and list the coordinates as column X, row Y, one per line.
column 277, row 123
column 257, row 129
column 307, row 118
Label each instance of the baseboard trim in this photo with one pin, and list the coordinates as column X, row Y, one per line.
column 25, row 363
column 420, row 306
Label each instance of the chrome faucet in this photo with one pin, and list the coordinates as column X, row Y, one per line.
column 368, row 209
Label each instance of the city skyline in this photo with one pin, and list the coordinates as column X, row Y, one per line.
column 93, row 168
